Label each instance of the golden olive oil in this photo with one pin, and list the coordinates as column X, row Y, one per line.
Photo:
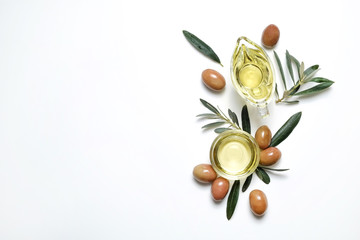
column 234, row 154
column 251, row 73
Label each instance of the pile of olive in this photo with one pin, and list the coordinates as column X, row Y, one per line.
column 205, row 173
column 268, row 155
column 220, row 186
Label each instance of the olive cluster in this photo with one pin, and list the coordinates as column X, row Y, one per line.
column 268, row 155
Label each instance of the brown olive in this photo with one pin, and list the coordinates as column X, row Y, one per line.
column 204, row 173
column 263, row 136
column 258, row 202
column 220, row 188
column 269, row 156
column 270, row 36
column 213, row 80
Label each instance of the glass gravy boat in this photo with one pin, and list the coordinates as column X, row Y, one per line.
column 252, row 74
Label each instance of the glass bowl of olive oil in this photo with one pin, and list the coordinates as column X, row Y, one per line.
column 252, row 74
column 234, row 154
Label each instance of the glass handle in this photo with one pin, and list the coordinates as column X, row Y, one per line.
column 264, row 111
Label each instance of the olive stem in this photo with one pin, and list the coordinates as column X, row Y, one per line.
column 288, row 93
column 223, row 117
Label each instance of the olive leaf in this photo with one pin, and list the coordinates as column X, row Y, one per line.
column 291, row 102
column 247, row 183
column 220, row 130
column 280, row 68
column 285, row 130
column 201, row 46
column 320, row 80
column 293, row 90
column 233, row 117
column 275, row 169
column 302, row 67
column 209, row 106
column 262, row 175
column 276, row 91
column 297, row 64
column 315, row 89
column 232, row 199
column 207, row 115
column 289, row 65
column 214, row 124
column 311, row 70
column 245, row 120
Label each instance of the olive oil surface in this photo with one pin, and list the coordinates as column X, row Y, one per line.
column 234, row 154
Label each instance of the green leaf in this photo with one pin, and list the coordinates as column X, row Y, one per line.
column 201, row 46
column 320, row 80
column 289, row 65
column 233, row 117
column 281, row 69
column 207, row 115
column 311, row 70
column 220, row 130
column 315, row 89
column 262, row 175
column 274, row 169
column 302, row 67
column 297, row 64
column 291, row 102
column 209, row 106
column 245, row 120
column 285, row 130
column 214, row 124
column 232, row 199
column 294, row 89
column 247, row 183
column 276, row 91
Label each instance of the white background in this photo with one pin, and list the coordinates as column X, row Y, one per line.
column 98, row 134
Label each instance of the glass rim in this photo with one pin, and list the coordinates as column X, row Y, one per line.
column 250, row 168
